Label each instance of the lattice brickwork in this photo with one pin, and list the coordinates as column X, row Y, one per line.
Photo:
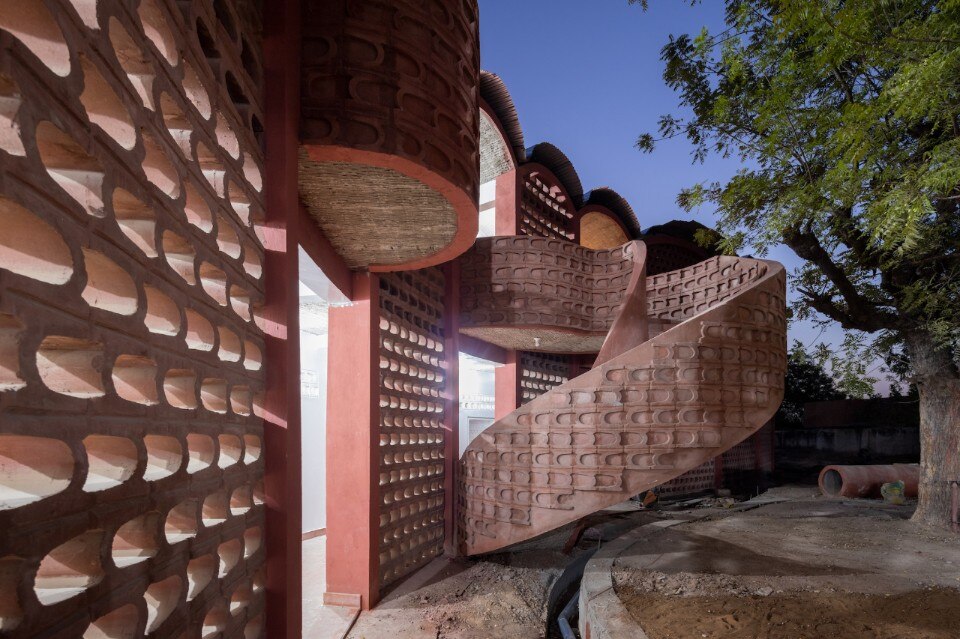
column 540, row 372
column 741, row 457
column 700, row 479
column 643, row 417
column 130, row 363
column 412, row 378
column 765, row 442
column 663, row 257
column 544, row 210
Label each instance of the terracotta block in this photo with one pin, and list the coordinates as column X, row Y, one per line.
column 127, row 363
column 691, row 365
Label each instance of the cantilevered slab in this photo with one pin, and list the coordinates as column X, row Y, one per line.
column 389, row 163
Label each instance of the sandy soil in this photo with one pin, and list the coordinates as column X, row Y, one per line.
column 787, row 565
column 497, row 595
column 926, row 614
column 809, row 567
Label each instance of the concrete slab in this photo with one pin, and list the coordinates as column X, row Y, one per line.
column 320, row 621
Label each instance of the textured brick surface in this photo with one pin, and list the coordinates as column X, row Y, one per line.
column 664, row 256
column 413, row 385
column 571, row 293
column 540, row 372
column 390, row 165
column 641, row 418
column 130, row 362
column 545, row 208
column 700, row 479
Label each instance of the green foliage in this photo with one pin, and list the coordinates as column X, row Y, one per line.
column 846, row 114
column 806, row 381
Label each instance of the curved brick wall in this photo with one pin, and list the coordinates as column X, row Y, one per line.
column 390, row 128
column 571, row 294
column 641, row 418
column 130, row 362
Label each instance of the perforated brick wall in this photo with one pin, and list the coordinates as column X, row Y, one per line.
column 130, row 361
column 700, row 479
column 539, row 372
column 412, row 383
column 663, row 257
column 740, row 457
column 544, row 210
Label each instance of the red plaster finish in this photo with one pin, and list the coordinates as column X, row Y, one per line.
column 483, row 350
column 281, row 315
column 644, row 416
column 506, row 387
column 451, row 413
column 131, row 435
column 395, row 85
column 318, row 247
column 353, row 450
column 507, row 194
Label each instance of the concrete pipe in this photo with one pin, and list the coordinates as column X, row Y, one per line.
column 865, row 481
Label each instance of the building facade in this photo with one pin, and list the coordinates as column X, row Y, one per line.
column 164, row 163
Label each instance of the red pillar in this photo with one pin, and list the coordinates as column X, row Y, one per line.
column 451, row 422
column 507, row 377
column 507, row 386
column 353, row 448
column 280, row 321
column 507, row 200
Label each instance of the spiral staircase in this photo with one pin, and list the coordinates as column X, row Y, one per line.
column 691, row 362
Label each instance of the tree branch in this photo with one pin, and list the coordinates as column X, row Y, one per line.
column 860, row 313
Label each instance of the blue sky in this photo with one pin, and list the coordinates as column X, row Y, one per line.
column 586, row 75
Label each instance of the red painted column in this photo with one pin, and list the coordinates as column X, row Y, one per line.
column 507, row 377
column 507, row 198
column 451, row 422
column 280, row 320
column 353, row 448
column 507, row 386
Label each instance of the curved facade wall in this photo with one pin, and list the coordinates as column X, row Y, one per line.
column 389, row 164
column 131, row 362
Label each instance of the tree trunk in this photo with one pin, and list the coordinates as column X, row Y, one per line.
column 939, row 384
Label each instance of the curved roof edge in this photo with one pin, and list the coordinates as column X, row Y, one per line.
column 560, row 165
column 494, row 92
column 608, row 198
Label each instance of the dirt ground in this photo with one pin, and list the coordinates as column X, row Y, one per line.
column 921, row 614
column 809, row 567
column 788, row 565
column 497, row 595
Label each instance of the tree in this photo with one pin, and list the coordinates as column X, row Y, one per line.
column 806, row 381
column 846, row 114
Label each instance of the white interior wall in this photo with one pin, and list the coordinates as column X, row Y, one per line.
column 477, row 396
column 313, row 407
column 488, row 210
column 317, row 294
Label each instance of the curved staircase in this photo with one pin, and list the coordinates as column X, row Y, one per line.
column 691, row 363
